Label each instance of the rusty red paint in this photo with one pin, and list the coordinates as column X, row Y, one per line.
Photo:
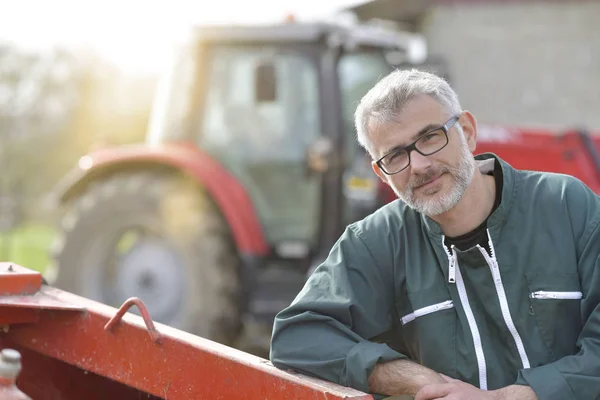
column 17, row 307
column 114, row 321
column 17, row 315
column 48, row 378
column 15, row 280
column 40, row 301
column 183, row 366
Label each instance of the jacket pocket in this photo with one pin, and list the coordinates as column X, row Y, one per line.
column 544, row 295
column 445, row 305
column 555, row 302
column 428, row 324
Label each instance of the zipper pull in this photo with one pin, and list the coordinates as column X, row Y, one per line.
column 452, row 268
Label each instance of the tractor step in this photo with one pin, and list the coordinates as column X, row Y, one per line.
column 275, row 288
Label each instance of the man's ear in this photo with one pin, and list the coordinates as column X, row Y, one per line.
column 469, row 126
column 379, row 172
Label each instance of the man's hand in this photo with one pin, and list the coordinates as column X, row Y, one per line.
column 454, row 389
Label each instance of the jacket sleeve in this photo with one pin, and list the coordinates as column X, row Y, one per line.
column 577, row 377
column 325, row 331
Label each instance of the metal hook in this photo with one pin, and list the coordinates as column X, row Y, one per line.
column 114, row 321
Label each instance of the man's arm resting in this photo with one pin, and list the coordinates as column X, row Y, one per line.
column 515, row 392
column 401, row 377
column 323, row 332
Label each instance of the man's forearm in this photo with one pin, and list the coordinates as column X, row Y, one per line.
column 401, row 377
column 515, row 392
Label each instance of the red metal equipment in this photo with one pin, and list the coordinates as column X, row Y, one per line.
column 75, row 348
column 573, row 152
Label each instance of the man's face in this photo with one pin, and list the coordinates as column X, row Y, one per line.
column 432, row 184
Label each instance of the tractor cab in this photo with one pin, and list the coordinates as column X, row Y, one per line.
column 275, row 105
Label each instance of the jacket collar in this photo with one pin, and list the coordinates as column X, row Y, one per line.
column 486, row 163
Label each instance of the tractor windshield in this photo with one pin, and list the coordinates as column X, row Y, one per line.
column 255, row 116
column 261, row 112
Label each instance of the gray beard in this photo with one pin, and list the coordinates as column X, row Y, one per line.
column 462, row 176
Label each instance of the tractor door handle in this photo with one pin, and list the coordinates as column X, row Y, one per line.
column 319, row 156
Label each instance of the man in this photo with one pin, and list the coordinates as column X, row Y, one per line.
column 480, row 282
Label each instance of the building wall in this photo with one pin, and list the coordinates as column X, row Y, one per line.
column 522, row 63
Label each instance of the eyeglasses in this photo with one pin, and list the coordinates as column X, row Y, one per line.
column 427, row 144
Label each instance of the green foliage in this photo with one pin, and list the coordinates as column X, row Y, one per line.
column 28, row 246
column 55, row 107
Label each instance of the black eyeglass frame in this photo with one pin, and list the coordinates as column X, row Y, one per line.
column 413, row 146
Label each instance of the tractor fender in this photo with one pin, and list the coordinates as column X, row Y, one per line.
column 227, row 192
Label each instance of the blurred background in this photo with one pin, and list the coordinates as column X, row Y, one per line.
column 80, row 76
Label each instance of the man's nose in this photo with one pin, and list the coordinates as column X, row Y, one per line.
column 419, row 162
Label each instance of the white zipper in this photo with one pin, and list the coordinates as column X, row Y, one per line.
column 462, row 293
column 494, row 268
column 427, row 310
column 452, row 261
column 464, row 299
column 452, row 267
column 542, row 294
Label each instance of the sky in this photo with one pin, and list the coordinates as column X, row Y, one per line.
column 136, row 35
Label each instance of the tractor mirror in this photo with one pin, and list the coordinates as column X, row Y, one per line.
column 265, row 82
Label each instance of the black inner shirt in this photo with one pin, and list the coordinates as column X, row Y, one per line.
column 478, row 236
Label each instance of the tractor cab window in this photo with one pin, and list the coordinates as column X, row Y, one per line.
column 261, row 104
column 358, row 73
column 261, row 113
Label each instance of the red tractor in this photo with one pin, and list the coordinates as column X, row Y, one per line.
column 250, row 173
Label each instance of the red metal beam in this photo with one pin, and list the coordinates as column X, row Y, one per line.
column 180, row 366
column 17, row 315
column 46, row 378
column 15, row 279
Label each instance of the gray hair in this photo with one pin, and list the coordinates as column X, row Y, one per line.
column 388, row 97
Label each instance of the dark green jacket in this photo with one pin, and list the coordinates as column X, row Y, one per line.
column 528, row 313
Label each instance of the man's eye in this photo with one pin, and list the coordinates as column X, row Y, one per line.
column 396, row 156
column 429, row 137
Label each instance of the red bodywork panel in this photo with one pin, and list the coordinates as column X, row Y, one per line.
column 536, row 150
column 228, row 193
column 15, row 279
column 88, row 350
column 545, row 151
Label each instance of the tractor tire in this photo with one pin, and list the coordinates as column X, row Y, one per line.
column 156, row 236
